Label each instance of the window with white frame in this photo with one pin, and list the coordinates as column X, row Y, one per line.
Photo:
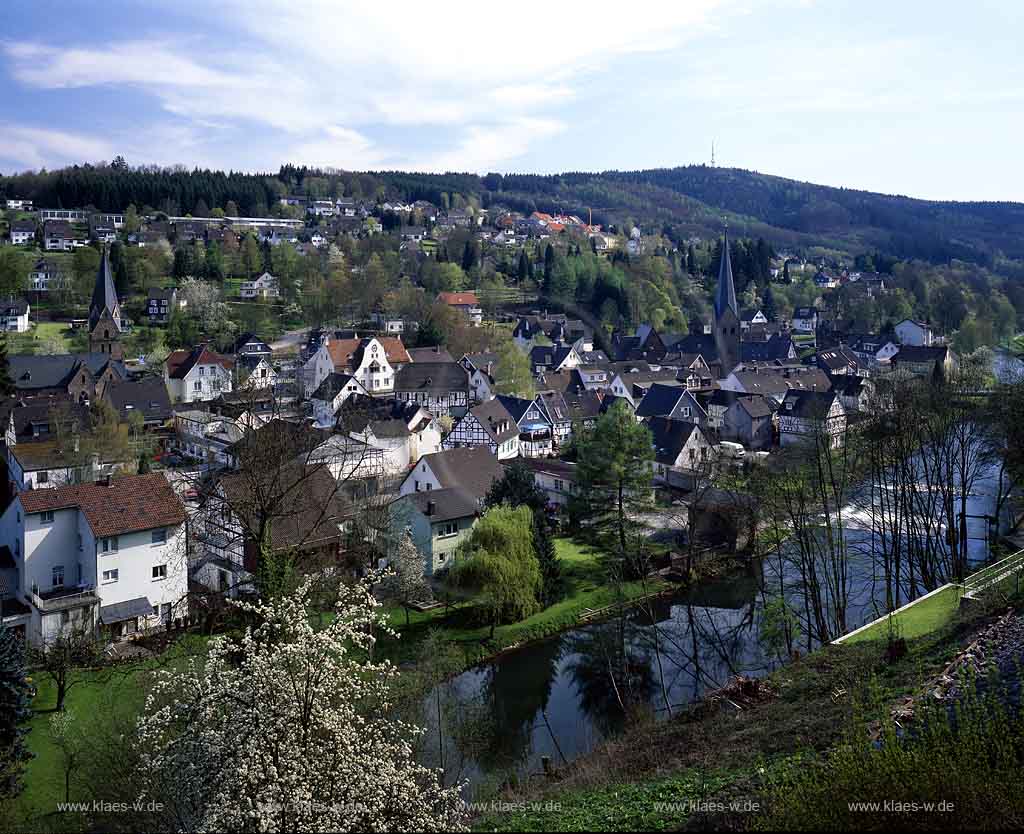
column 46, row 517
column 109, row 544
column 159, row 572
column 110, row 575
column 448, row 529
column 57, row 576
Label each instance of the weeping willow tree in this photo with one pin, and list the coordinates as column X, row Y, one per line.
column 500, row 563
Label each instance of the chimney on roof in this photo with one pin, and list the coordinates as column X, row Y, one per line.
column 431, row 507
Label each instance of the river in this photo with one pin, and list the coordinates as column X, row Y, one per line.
column 555, row 697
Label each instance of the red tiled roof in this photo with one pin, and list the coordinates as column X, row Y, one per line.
column 458, row 299
column 342, row 351
column 128, row 505
column 180, row 362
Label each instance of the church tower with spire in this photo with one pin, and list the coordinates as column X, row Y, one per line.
column 727, row 315
column 105, row 314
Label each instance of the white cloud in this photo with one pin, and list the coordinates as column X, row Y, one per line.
column 24, row 147
column 324, row 74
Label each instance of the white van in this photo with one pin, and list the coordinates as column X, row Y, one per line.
column 732, row 450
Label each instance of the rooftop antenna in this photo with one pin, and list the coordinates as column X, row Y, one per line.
column 712, row 153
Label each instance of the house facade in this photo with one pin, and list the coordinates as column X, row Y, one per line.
column 265, row 286
column 197, row 375
column 487, row 424
column 106, row 556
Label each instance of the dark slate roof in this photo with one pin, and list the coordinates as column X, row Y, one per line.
column 554, row 406
column 147, row 396
column 33, row 372
column 490, row 414
column 915, row 353
column 252, row 340
column 35, row 411
column 835, row 359
column 471, row 469
column 162, row 293
column 385, row 417
column 848, row 385
column 13, row 307
column 584, row 405
column 669, row 437
column 481, row 361
column 432, row 377
column 332, row 385
column 659, row 400
column 725, row 297
column 805, row 313
column 104, row 294
column 756, row 407
column 516, row 406
column 552, row 466
column 813, row 405
column 776, row 347
column 443, row 504
column 430, row 354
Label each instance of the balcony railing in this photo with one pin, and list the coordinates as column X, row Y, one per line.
column 59, row 599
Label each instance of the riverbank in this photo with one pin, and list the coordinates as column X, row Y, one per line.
column 585, row 592
column 710, row 765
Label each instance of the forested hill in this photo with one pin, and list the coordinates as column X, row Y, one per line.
column 678, row 201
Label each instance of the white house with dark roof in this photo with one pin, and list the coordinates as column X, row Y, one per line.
column 440, row 387
column 107, row 556
column 14, row 315
column 487, row 424
column 805, row 415
column 331, row 393
column 914, row 333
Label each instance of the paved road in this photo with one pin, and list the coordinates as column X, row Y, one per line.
column 291, row 340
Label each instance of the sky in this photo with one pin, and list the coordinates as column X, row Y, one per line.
column 902, row 96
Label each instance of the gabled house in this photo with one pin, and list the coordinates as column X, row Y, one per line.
column 14, row 315
column 910, row 332
column 22, row 232
column 553, row 358
column 488, row 424
column 750, row 316
column 46, row 276
column 673, row 401
column 146, row 397
column 805, row 415
column 249, row 344
column 555, row 410
column 749, row 420
column 265, row 286
column 106, row 556
column 921, row 361
column 438, row 522
column 402, row 431
column 556, row 478
column 854, row 391
column 872, row 350
column 80, row 376
column 205, row 437
column 161, row 304
column 839, row 361
column 331, row 393
column 465, row 303
column 471, row 469
column 197, row 375
column 678, row 445
column 480, row 367
column 372, row 360
column 805, row 320
column 440, row 387
column 254, row 371
column 535, row 430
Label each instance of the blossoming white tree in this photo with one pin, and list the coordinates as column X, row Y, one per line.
column 287, row 729
column 406, row 584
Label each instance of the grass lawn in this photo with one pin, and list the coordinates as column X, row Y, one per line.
column 57, row 332
column 922, row 617
column 585, row 589
column 99, row 700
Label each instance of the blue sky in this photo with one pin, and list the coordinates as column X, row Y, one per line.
column 903, row 96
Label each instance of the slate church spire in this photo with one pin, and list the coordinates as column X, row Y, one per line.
column 105, row 313
column 727, row 316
